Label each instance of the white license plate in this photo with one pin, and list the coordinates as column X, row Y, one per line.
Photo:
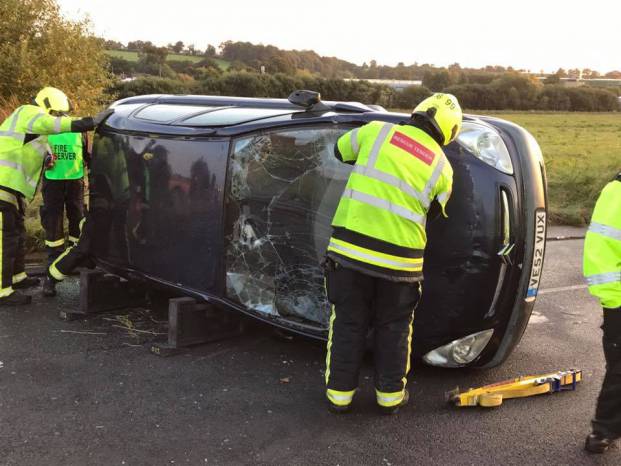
column 540, row 243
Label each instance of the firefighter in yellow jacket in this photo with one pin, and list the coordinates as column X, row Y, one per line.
column 23, row 151
column 602, row 269
column 374, row 265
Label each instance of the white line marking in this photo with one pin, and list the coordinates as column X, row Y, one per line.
column 562, row 288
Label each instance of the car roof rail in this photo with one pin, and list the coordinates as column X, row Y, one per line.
column 311, row 101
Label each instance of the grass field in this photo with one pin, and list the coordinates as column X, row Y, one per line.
column 133, row 56
column 582, row 152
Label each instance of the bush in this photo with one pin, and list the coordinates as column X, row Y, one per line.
column 475, row 96
column 150, row 85
column 410, row 97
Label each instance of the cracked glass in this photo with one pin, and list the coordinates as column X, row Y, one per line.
column 284, row 187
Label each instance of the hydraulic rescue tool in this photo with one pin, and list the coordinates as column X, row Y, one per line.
column 490, row 396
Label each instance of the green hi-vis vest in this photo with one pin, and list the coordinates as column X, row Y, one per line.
column 380, row 220
column 21, row 158
column 69, row 163
column 602, row 247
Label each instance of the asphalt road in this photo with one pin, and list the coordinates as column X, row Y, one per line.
column 98, row 397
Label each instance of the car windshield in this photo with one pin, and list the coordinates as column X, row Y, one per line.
column 284, row 188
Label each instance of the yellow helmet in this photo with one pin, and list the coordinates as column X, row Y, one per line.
column 51, row 99
column 444, row 114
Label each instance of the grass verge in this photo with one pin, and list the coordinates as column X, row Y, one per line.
column 582, row 152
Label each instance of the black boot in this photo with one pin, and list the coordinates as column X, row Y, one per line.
column 338, row 409
column 17, row 298
column 596, row 443
column 395, row 409
column 49, row 287
column 27, row 282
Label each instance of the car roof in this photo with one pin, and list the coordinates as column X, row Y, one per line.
column 198, row 115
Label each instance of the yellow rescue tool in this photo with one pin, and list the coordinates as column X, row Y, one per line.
column 491, row 396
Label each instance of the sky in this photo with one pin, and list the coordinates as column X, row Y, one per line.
column 526, row 34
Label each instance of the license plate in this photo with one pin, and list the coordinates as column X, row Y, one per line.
column 539, row 248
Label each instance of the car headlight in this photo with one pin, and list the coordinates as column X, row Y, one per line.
column 459, row 352
column 486, row 145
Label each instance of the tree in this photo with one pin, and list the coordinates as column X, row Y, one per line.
column 38, row 47
column 138, row 45
column 437, row 80
column 210, row 51
column 280, row 64
column 192, row 50
column 178, row 47
column 113, row 45
column 152, row 60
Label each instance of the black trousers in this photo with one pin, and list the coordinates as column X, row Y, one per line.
column 60, row 196
column 360, row 301
column 607, row 420
column 77, row 255
column 12, row 244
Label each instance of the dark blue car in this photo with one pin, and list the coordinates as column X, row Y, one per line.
column 230, row 200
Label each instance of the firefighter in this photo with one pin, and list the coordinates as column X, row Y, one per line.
column 23, row 150
column 602, row 269
column 374, row 263
column 63, row 190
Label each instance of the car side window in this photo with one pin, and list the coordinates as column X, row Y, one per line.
column 284, row 187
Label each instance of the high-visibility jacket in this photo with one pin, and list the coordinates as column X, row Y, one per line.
column 69, row 161
column 602, row 247
column 24, row 145
column 379, row 223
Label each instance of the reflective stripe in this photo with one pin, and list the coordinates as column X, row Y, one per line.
column 33, row 121
column 377, row 145
column 433, row 179
column 11, row 131
column 13, row 165
column 605, row 230
column 58, row 124
column 4, row 292
column 57, row 274
column 55, row 244
column 385, row 205
column 409, row 355
column 371, row 256
column 329, row 347
column 354, row 141
column 604, row 278
column 20, row 277
column 443, row 197
column 340, row 398
column 389, row 399
column 53, row 270
column 41, row 147
column 392, row 181
column 73, row 239
column 17, row 136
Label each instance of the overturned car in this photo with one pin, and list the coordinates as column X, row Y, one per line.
column 230, row 200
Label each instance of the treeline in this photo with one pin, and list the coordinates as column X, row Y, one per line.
column 245, row 84
column 515, row 91
column 508, row 92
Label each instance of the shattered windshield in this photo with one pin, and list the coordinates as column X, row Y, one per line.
column 284, row 189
